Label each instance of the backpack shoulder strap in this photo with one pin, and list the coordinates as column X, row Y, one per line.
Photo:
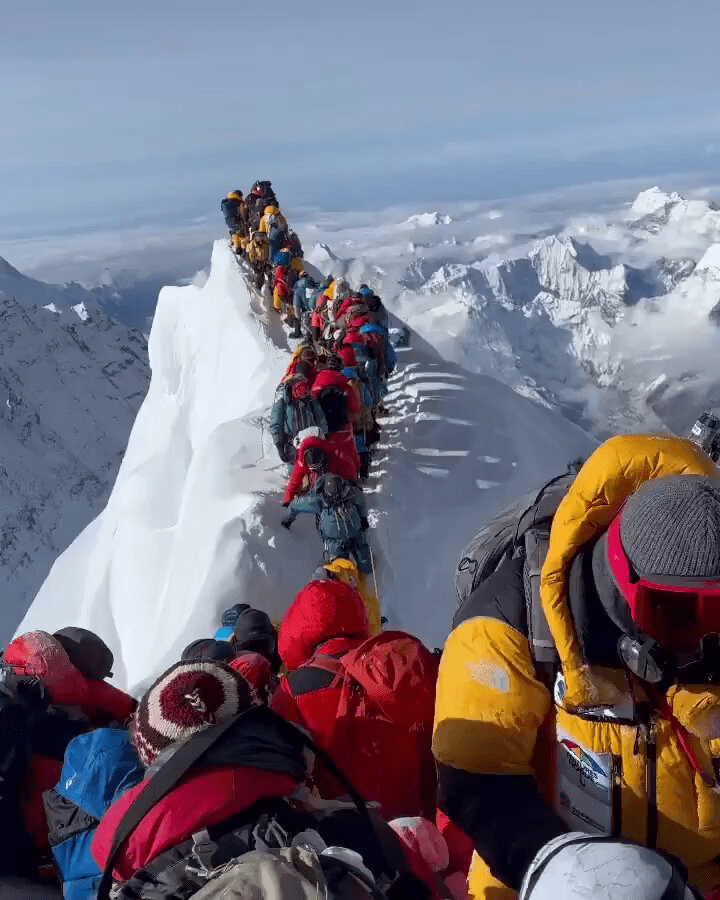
column 164, row 780
column 323, row 671
column 534, row 532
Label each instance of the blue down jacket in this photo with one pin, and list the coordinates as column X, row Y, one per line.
column 99, row 767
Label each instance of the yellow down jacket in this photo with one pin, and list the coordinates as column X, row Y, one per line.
column 264, row 225
column 346, row 570
column 594, row 762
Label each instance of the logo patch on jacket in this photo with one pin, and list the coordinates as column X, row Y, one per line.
column 489, row 674
column 584, row 786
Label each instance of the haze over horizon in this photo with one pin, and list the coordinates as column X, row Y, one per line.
column 118, row 114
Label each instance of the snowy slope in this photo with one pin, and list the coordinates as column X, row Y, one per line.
column 70, row 386
column 193, row 521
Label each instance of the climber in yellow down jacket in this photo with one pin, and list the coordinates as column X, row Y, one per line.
column 345, row 570
column 622, row 736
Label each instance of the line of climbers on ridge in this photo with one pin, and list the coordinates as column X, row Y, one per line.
column 324, row 418
column 245, row 770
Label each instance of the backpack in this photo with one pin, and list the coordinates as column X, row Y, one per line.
column 339, row 519
column 282, row 258
column 387, row 700
column 295, row 873
column 230, row 208
column 523, row 527
column 334, row 406
column 17, row 703
column 181, row 871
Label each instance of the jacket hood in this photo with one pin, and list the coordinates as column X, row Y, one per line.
column 609, row 476
column 321, row 610
column 271, row 210
column 326, row 378
column 98, row 768
column 254, row 668
column 345, row 570
column 39, row 654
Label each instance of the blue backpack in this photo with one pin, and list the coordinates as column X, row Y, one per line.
column 99, row 767
column 282, row 258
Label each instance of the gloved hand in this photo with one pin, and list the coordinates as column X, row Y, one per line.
column 286, row 503
column 364, row 524
column 287, row 522
column 286, row 451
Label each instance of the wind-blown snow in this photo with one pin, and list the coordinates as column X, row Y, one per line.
column 193, row 521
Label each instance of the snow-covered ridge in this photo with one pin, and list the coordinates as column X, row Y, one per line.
column 192, row 523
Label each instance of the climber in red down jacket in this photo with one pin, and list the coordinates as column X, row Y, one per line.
column 317, row 455
column 70, row 666
column 384, row 749
column 243, row 768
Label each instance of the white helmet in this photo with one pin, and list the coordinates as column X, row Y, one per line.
column 310, row 431
column 578, row 866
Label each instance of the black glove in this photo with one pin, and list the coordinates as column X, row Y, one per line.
column 286, row 503
column 285, row 450
column 364, row 524
column 287, row 522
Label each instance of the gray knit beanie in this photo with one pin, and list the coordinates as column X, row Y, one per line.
column 671, row 527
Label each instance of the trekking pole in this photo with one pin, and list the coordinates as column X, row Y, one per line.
column 372, row 566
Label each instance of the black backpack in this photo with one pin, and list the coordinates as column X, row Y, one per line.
column 230, row 207
column 334, row 404
column 523, row 527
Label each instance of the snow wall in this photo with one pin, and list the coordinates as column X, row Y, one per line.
column 192, row 525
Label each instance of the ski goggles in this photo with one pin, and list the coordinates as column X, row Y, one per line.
column 670, row 610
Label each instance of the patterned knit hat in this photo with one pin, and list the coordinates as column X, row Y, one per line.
column 187, row 698
column 671, row 527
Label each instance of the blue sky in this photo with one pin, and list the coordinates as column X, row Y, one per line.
column 138, row 108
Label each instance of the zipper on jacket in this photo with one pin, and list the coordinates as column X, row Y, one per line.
column 616, row 769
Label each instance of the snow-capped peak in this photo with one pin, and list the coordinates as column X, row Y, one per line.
column 710, row 259
column 320, row 254
column 652, row 202
column 425, row 220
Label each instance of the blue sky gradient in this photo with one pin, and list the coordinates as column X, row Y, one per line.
column 112, row 110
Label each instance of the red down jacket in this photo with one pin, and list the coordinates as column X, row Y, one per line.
column 205, row 797
column 387, row 759
column 343, row 460
column 39, row 654
column 330, row 378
